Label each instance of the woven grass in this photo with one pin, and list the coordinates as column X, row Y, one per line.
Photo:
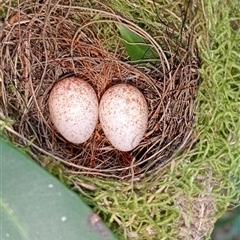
column 66, row 41
column 183, row 199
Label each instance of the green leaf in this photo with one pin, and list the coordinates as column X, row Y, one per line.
column 234, row 231
column 137, row 47
column 226, row 220
column 34, row 205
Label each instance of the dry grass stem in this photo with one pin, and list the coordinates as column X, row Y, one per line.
column 44, row 43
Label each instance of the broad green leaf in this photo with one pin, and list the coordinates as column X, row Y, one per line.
column 234, row 231
column 226, row 220
column 137, row 47
column 34, row 205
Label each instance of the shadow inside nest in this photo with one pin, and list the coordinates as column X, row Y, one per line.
column 37, row 50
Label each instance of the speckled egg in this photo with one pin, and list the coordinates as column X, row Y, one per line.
column 123, row 114
column 73, row 107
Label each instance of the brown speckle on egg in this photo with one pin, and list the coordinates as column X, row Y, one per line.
column 73, row 107
column 123, row 114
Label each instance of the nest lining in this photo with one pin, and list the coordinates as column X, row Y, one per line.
column 40, row 46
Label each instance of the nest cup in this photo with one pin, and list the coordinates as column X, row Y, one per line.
column 44, row 43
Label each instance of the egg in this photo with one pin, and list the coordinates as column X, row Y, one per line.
column 73, row 107
column 123, row 115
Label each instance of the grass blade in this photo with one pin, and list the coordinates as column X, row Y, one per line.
column 137, row 47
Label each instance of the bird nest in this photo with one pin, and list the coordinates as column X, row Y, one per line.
column 44, row 43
